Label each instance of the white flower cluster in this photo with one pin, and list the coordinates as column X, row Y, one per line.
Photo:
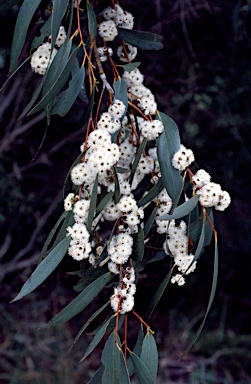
column 176, row 245
column 122, row 300
column 41, row 59
column 80, row 247
column 104, row 53
column 143, row 95
column 182, row 158
column 210, row 194
column 116, row 17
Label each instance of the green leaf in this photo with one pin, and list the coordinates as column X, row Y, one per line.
column 57, row 66
column 50, row 236
column 68, row 97
column 111, row 360
column 68, row 222
column 141, row 39
column 194, row 228
column 93, row 316
column 154, row 192
column 137, row 159
column 81, row 301
column 44, row 32
column 92, row 21
column 210, row 302
column 120, row 88
column 88, row 111
column 150, row 222
column 59, row 9
column 24, row 17
column 96, row 379
column 141, row 370
column 168, row 143
column 33, row 99
column 124, row 378
column 140, row 245
column 117, row 193
column 58, row 85
column 97, row 338
column 92, row 204
column 183, row 209
column 7, row 4
column 208, row 230
column 159, row 293
column 149, row 355
column 160, row 255
column 103, row 203
column 201, row 241
column 136, row 350
column 131, row 66
column 44, row 269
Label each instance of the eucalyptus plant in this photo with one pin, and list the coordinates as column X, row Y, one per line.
column 134, row 188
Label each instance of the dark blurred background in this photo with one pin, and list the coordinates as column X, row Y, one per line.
column 201, row 78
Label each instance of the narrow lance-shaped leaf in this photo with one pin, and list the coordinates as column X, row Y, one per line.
column 159, row 293
column 117, row 193
column 120, row 88
column 149, row 355
column 44, row 269
column 68, row 97
column 183, row 209
column 140, row 245
column 50, row 236
column 7, row 4
column 92, row 21
column 152, row 194
column 92, row 204
column 44, row 32
column 58, row 85
column 93, row 316
column 103, row 203
column 24, row 17
column 150, row 221
column 97, row 377
column 97, row 338
column 141, row 39
column 211, row 298
column 141, row 370
column 131, row 66
column 81, row 301
column 57, row 66
column 111, row 360
column 136, row 350
column 137, row 159
column 168, row 143
column 59, row 9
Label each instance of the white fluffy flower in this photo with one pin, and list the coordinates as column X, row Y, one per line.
column 130, row 50
column 42, row 58
column 152, row 129
column 61, row 37
column 134, row 77
column 182, row 158
column 224, row 201
column 117, row 109
column 210, row 194
column 108, row 30
column 201, row 178
column 179, row 279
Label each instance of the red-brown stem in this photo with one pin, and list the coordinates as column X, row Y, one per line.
column 139, row 110
column 141, row 320
column 99, row 104
column 125, row 336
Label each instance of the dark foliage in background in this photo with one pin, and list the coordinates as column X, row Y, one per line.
column 201, row 79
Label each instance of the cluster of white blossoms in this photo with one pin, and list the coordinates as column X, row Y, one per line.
column 104, row 53
column 116, row 17
column 176, row 245
column 210, row 194
column 144, row 96
column 80, row 247
column 42, row 58
column 122, row 300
